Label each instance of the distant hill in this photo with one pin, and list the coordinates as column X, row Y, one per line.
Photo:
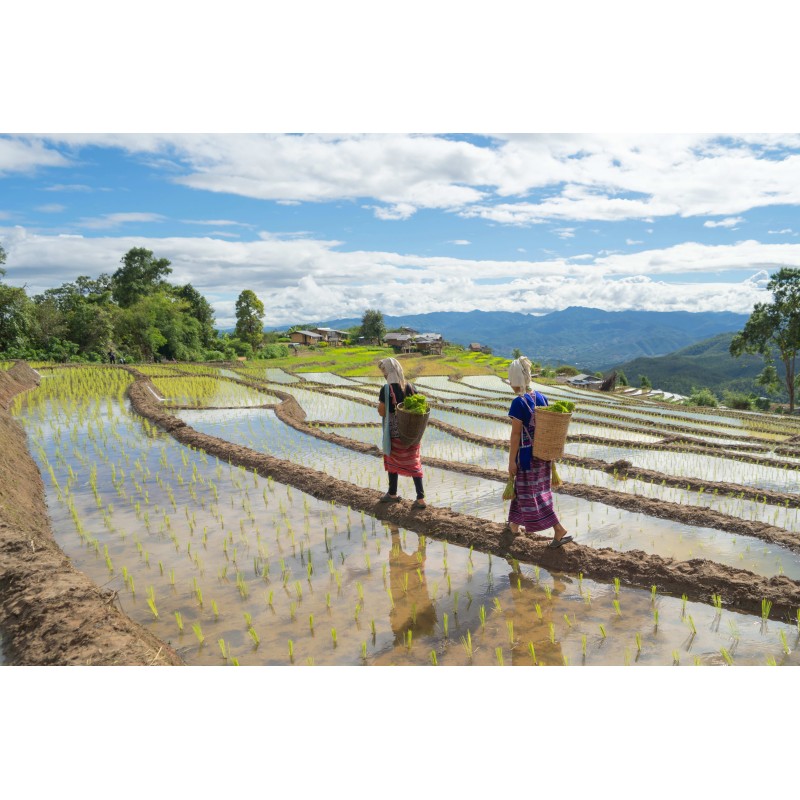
column 588, row 338
column 705, row 363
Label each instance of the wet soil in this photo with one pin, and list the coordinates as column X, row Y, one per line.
column 50, row 613
column 697, row 578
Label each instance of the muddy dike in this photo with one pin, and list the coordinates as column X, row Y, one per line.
column 50, row 613
column 698, row 579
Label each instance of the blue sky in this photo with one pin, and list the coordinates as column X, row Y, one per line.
column 325, row 226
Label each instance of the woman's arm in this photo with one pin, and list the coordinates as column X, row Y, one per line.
column 513, row 445
column 382, row 409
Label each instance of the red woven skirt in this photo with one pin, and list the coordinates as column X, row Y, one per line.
column 404, row 460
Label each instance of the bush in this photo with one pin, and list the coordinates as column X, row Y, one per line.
column 738, row 400
column 274, row 351
column 215, row 355
column 703, row 397
column 762, row 403
column 566, row 369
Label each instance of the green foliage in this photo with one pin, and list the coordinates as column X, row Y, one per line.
column 645, row 382
column 566, row 369
column 702, row 397
column 562, row 407
column 274, row 351
column 738, row 400
column 16, row 318
column 139, row 276
column 622, row 380
column 774, row 328
column 249, row 318
column 415, row 404
column 372, row 325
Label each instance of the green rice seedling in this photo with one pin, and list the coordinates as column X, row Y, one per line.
column 254, row 636
column 638, row 638
column 716, row 599
column 408, row 639
column 676, row 658
column 172, row 577
column 248, row 619
column 391, row 598
column 567, row 620
column 538, row 611
column 311, row 623
column 364, row 650
column 536, row 573
column 691, row 625
column 328, row 600
column 548, row 593
column 482, row 616
column 616, row 586
column 333, row 636
column 784, row 645
column 498, row 608
column 434, row 660
column 466, row 643
column 498, row 652
column 510, row 628
column 615, row 603
column 602, row 631
column 583, row 645
column 766, row 607
column 152, row 605
column 372, row 627
column 270, row 597
column 291, row 651
column 655, row 617
column 727, row 656
column 222, row 649
column 179, row 620
column 684, row 598
column 214, row 609
column 198, row 632
column 552, row 633
column 445, row 622
column 653, row 591
column 532, row 652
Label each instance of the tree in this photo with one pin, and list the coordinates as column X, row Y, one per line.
column 645, row 384
column 16, row 318
column 372, row 325
column 516, row 353
column 2, row 260
column 621, row 379
column 201, row 310
column 139, row 275
column 775, row 328
column 249, row 318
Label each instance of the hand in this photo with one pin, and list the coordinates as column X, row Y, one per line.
column 512, row 470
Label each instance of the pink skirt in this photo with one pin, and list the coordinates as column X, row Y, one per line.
column 533, row 505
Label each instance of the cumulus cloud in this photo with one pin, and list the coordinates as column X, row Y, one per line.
column 296, row 278
column 585, row 176
column 728, row 222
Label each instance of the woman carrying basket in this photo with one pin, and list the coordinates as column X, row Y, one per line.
column 532, row 507
column 398, row 458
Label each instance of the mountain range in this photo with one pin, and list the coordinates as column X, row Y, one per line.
column 587, row 338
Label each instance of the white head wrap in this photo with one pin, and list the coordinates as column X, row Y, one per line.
column 519, row 374
column 393, row 371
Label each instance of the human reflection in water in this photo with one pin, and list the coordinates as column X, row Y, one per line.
column 413, row 608
column 520, row 606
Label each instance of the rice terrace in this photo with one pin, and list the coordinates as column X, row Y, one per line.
column 227, row 513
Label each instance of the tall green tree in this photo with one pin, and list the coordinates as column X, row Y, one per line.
column 372, row 325
column 249, row 318
column 774, row 328
column 2, row 260
column 140, row 275
column 201, row 310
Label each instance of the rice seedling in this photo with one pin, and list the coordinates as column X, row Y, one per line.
column 771, row 661
column 727, row 656
column 548, row 593
column 676, row 658
column 615, row 603
column 466, row 643
column 408, row 639
column 434, row 660
column 482, row 616
column 616, row 586
column 716, row 600
column 445, row 621
column 333, row 636
column 179, row 620
column 291, row 651
column 254, row 636
column 784, row 644
column 602, row 631
column 198, row 632
column 692, row 626
column 499, row 656
column 766, row 607
column 552, row 633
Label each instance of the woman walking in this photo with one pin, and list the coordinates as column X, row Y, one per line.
column 398, row 458
column 532, row 507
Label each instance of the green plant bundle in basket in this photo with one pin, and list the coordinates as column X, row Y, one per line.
column 550, row 434
column 412, row 419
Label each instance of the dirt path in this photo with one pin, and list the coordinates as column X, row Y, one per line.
column 49, row 612
column 697, row 578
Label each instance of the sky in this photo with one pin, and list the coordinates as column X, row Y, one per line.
column 324, row 226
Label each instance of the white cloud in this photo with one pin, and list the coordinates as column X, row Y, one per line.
column 463, row 242
column 728, row 222
column 564, row 233
column 119, row 218
column 586, row 176
column 18, row 155
column 68, row 187
column 218, row 223
column 296, row 278
column 51, row 208
column 782, row 231
column 632, row 242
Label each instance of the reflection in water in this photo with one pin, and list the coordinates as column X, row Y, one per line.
column 413, row 608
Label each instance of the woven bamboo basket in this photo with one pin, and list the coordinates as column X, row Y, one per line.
column 411, row 426
column 550, row 434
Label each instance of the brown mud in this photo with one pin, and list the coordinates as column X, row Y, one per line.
column 697, row 578
column 50, row 613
